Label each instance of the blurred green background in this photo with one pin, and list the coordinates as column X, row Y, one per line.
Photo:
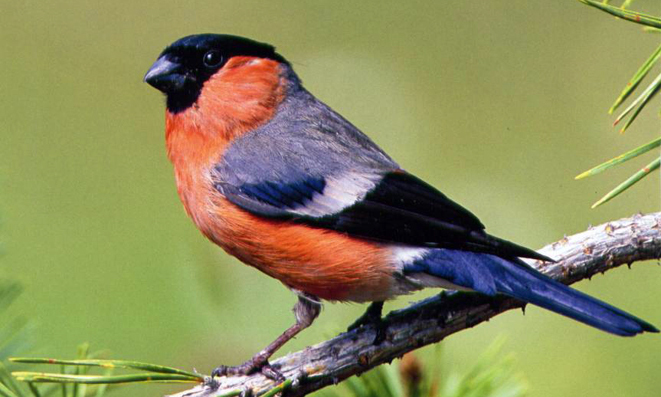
column 499, row 104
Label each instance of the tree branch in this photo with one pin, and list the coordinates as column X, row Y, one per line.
column 579, row 256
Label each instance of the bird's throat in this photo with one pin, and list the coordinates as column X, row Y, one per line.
column 241, row 97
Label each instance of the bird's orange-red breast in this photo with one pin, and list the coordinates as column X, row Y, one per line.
column 239, row 98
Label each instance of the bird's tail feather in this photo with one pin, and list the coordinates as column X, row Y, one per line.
column 491, row 274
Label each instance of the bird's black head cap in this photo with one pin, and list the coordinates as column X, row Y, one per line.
column 184, row 66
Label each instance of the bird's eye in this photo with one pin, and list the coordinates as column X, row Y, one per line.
column 212, row 59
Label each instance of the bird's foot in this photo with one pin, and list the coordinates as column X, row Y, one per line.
column 254, row 365
column 372, row 316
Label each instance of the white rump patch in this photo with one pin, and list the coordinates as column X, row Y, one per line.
column 407, row 283
column 406, row 255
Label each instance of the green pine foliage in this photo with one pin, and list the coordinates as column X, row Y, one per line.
column 652, row 24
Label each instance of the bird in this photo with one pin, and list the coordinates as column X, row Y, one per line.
column 281, row 181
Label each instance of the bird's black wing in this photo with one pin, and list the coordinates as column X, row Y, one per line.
column 399, row 208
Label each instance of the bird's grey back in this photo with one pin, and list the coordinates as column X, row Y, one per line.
column 305, row 138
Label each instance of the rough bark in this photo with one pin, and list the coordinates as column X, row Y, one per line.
column 579, row 256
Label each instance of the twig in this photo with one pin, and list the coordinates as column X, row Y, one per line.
column 579, row 256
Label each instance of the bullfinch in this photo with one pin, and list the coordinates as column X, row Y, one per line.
column 281, row 181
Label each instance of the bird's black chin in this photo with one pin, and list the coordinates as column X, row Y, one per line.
column 182, row 100
column 170, row 78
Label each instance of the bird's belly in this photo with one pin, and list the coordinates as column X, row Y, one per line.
column 319, row 262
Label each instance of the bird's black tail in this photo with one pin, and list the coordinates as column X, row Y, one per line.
column 491, row 274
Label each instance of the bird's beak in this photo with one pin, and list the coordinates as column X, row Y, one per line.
column 166, row 76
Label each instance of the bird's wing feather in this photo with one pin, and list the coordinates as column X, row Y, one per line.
column 400, row 209
column 332, row 176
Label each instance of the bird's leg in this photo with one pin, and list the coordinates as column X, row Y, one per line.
column 305, row 310
column 372, row 316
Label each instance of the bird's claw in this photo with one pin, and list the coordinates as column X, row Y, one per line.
column 255, row 364
column 272, row 373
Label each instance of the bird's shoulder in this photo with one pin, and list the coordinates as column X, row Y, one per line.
column 304, row 139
